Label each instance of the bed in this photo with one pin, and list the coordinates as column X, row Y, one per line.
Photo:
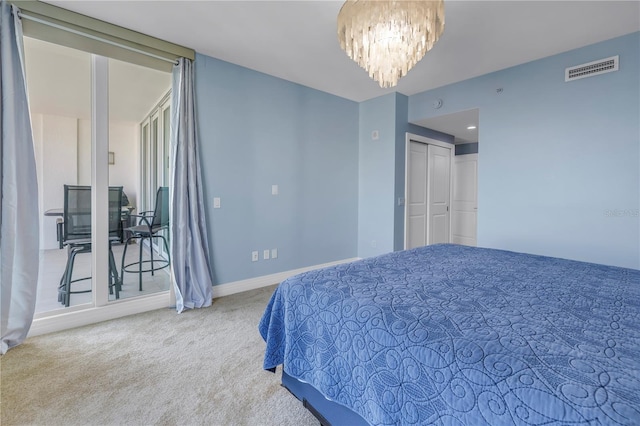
column 448, row 334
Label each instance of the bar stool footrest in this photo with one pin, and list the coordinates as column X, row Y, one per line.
column 152, row 269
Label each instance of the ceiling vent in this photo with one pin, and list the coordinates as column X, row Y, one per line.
column 592, row 68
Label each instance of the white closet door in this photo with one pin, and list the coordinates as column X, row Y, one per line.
column 439, row 184
column 417, row 195
column 428, row 194
column 465, row 200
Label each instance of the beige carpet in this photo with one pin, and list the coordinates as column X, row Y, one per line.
column 157, row 368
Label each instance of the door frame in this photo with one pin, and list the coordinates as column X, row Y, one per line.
column 154, row 161
column 101, row 308
column 410, row 137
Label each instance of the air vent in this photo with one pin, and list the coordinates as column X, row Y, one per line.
column 592, row 68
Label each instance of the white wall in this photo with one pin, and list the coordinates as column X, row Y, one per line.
column 56, row 142
column 84, row 152
column 124, row 143
column 124, row 139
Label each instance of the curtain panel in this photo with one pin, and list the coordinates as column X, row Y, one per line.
column 189, row 242
column 19, row 226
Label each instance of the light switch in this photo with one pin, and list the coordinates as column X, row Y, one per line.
column 265, row 254
column 274, row 253
column 274, row 189
column 216, row 203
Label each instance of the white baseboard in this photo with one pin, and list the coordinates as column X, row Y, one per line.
column 71, row 318
column 267, row 280
column 80, row 317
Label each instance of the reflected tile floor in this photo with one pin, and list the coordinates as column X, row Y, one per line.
column 52, row 264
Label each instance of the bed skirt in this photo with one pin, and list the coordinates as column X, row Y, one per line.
column 328, row 413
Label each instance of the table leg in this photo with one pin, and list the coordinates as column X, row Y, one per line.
column 59, row 231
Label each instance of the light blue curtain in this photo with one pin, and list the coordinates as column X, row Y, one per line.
column 19, row 226
column 189, row 243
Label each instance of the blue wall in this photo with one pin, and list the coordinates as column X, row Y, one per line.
column 559, row 171
column 467, row 148
column 376, row 175
column 382, row 172
column 255, row 131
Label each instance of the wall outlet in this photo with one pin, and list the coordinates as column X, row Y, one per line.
column 265, row 254
column 374, row 244
column 274, row 253
column 274, row 190
column 375, row 135
column 254, row 256
column 216, row 202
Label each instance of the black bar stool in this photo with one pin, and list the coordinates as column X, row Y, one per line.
column 149, row 227
column 76, row 236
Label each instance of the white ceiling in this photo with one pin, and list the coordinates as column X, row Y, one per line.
column 296, row 40
column 457, row 124
column 59, row 83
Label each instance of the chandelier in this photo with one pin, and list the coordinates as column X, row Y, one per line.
column 387, row 38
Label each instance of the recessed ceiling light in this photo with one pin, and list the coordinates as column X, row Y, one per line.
column 471, row 127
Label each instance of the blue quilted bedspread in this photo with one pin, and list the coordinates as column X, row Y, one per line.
column 457, row 335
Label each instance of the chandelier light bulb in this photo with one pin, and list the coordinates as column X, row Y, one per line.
column 387, row 38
